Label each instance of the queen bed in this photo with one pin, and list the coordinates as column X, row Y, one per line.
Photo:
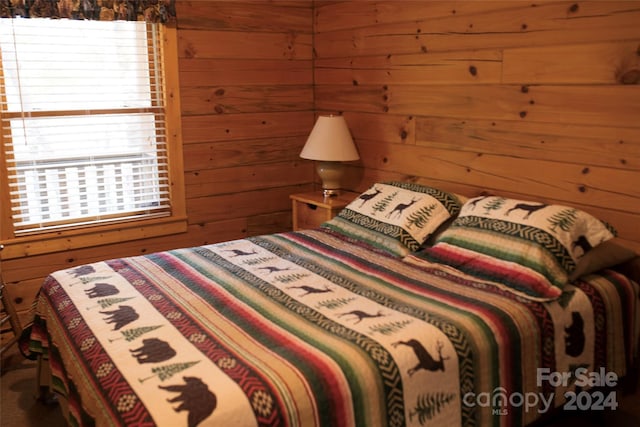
column 479, row 312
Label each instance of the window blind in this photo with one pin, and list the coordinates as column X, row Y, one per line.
column 82, row 119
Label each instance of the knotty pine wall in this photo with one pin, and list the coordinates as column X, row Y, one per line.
column 246, row 91
column 507, row 97
column 536, row 100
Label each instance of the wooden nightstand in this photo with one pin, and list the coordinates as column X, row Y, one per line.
column 312, row 209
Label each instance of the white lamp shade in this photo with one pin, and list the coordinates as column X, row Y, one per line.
column 330, row 140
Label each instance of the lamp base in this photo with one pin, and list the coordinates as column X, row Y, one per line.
column 330, row 173
column 330, row 192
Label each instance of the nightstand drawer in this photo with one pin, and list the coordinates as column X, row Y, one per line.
column 312, row 209
column 310, row 215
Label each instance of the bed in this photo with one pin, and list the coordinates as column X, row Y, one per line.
column 387, row 315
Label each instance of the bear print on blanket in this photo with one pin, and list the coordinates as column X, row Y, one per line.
column 121, row 316
column 153, row 350
column 574, row 335
column 195, row 397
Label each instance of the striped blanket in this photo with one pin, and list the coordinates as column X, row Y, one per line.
column 308, row 328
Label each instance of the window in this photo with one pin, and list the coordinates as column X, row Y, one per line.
column 86, row 129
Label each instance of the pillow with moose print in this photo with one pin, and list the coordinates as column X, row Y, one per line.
column 396, row 217
column 529, row 248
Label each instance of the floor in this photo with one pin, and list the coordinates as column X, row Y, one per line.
column 18, row 403
column 20, row 407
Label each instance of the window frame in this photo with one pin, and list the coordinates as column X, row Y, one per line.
column 118, row 231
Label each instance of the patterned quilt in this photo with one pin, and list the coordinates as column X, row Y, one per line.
column 310, row 329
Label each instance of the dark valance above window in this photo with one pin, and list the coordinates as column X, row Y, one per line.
column 163, row 11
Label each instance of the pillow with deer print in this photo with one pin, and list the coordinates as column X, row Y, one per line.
column 396, row 217
column 529, row 248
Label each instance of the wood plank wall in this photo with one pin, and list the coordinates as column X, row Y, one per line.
column 247, row 108
column 535, row 101
column 246, row 87
column 531, row 100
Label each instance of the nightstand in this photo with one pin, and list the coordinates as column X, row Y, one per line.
column 312, row 209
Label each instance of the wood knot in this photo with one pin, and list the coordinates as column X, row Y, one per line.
column 630, row 77
column 189, row 52
column 403, row 134
column 574, row 8
column 219, row 92
column 585, row 171
column 473, row 70
column 523, row 114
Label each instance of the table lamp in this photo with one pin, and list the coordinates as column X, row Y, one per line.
column 329, row 144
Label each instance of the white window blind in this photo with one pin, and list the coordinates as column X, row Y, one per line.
column 82, row 122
